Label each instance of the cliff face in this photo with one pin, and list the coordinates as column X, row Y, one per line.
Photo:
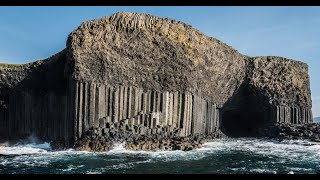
column 275, row 89
column 153, row 73
column 285, row 81
column 36, row 100
column 140, row 50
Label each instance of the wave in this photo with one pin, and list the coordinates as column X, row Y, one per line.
column 290, row 148
column 164, row 155
column 21, row 149
column 240, row 152
column 263, row 146
column 253, row 145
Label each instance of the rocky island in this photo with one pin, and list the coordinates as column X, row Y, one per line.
column 153, row 83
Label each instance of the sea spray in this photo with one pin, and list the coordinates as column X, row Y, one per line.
column 243, row 155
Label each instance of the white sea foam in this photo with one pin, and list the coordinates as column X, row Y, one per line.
column 39, row 155
column 295, row 149
column 71, row 168
column 300, row 169
column 164, row 155
column 259, row 170
column 93, row 172
column 19, row 149
column 118, row 148
column 265, row 147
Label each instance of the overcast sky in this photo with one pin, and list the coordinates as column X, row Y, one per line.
column 32, row 33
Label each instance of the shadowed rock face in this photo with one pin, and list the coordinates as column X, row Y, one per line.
column 149, row 73
column 34, row 99
column 275, row 90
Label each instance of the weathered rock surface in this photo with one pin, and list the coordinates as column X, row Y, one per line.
column 138, row 139
column 284, row 81
column 141, row 50
column 154, row 75
column 284, row 131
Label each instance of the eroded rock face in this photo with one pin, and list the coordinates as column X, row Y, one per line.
column 46, row 74
column 154, row 73
column 141, row 50
column 35, row 98
column 273, row 91
column 285, row 131
column 138, row 138
column 284, row 81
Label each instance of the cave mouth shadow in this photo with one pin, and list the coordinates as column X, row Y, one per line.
column 245, row 112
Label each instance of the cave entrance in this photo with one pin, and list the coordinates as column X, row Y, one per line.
column 245, row 112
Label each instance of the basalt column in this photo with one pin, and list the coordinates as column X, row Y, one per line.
column 152, row 109
column 151, row 75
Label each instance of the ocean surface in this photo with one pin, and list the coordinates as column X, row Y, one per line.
column 223, row 156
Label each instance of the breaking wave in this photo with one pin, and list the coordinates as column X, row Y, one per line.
column 243, row 155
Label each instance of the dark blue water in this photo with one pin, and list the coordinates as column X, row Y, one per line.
column 220, row 156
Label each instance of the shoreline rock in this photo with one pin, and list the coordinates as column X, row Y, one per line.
column 285, row 131
column 154, row 77
column 5, row 144
column 100, row 140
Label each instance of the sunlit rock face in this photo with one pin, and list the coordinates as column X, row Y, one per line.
column 136, row 74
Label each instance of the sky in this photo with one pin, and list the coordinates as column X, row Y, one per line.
column 32, row 33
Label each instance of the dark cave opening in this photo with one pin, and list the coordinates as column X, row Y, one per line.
column 245, row 112
column 242, row 123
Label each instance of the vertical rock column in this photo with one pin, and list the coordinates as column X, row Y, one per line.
column 76, row 110
column 115, row 106
column 291, row 114
column 165, row 112
column 129, row 104
column 109, row 103
column 101, row 105
column 80, row 109
column 191, row 113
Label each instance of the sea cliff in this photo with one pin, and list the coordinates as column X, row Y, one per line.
column 136, row 78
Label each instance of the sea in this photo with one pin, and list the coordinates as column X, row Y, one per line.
column 221, row 156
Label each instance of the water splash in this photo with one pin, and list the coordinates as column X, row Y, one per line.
column 244, row 155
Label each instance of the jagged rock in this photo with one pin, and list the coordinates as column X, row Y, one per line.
column 290, row 131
